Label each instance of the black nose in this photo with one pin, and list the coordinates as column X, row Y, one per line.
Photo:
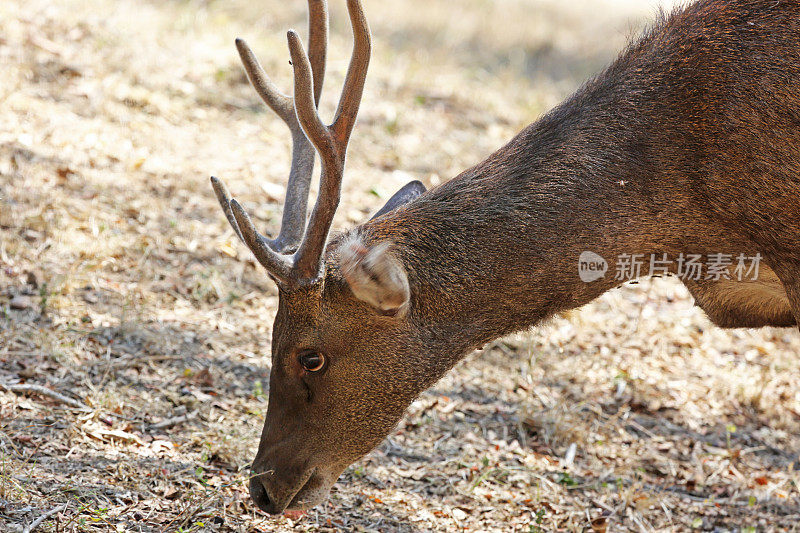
column 260, row 496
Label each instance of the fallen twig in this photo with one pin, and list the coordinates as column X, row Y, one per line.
column 174, row 421
column 132, row 360
column 36, row 523
column 10, row 441
column 44, row 391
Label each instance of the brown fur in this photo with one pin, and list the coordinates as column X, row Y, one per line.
column 688, row 143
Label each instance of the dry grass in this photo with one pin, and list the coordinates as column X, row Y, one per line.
column 121, row 287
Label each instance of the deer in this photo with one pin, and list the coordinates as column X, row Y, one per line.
column 688, row 143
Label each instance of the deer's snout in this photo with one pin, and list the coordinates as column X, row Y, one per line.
column 261, row 496
column 278, row 489
column 275, row 490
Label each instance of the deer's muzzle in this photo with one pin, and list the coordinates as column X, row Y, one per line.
column 277, row 490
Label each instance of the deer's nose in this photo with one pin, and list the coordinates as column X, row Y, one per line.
column 261, row 497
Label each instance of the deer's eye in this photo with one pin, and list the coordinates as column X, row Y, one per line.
column 311, row 361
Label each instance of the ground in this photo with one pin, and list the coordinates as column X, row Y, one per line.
column 123, row 289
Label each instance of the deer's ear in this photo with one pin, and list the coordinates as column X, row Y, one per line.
column 407, row 193
column 375, row 276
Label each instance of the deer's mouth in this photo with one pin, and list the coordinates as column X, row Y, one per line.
column 311, row 493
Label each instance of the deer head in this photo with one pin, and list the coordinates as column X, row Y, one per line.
column 342, row 337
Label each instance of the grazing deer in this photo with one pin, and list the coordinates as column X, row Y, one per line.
column 689, row 143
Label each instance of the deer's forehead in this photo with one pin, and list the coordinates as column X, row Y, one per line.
column 301, row 309
column 309, row 315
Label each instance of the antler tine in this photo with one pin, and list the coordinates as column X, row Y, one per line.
column 276, row 264
column 304, row 105
column 224, row 198
column 280, row 103
column 329, row 141
column 317, row 42
column 346, row 113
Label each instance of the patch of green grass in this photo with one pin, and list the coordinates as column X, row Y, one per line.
column 565, row 479
column 538, row 519
column 258, row 390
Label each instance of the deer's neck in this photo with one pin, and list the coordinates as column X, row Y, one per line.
column 496, row 249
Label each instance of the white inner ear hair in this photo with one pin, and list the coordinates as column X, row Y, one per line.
column 375, row 275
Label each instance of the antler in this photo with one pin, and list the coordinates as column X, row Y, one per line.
column 308, row 130
column 294, row 212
